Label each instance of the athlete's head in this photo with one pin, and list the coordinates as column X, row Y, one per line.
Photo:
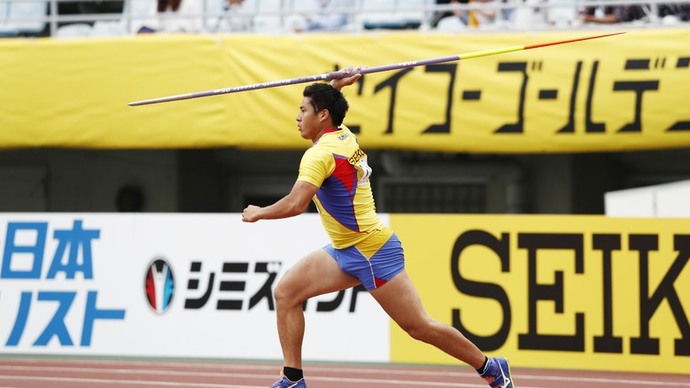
column 324, row 96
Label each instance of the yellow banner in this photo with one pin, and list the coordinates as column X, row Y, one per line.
column 584, row 292
column 624, row 92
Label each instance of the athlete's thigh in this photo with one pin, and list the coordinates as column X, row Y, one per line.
column 400, row 300
column 317, row 273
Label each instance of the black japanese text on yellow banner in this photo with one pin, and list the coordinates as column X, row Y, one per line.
column 554, row 291
column 618, row 93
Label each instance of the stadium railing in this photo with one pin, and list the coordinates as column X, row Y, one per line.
column 22, row 18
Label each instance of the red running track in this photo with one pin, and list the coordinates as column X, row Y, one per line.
column 16, row 372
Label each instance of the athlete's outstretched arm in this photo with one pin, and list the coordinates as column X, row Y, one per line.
column 293, row 204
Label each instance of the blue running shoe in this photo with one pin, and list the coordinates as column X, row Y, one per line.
column 497, row 373
column 284, row 382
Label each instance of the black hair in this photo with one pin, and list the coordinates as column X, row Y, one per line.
column 325, row 96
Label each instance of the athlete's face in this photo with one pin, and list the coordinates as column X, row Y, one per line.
column 309, row 122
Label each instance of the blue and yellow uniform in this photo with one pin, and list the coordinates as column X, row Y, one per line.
column 361, row 244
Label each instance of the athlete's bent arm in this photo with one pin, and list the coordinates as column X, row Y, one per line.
column 293, row 204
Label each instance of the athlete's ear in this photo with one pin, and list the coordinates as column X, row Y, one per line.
column 324, row 114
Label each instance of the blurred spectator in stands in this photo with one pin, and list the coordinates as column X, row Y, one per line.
column 615, row 14
column 456, row 19
column 175, row 16
column 235, row 18
column 324, row 15
column 180, row 16
column 507, row 14
column 486, row 15
column 452, row 18
column 674, row 12
column 169, row 5
column 562, row 14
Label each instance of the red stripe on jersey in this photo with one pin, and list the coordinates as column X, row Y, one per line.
column 345, row 173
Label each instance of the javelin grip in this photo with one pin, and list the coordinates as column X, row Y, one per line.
column 366, row 70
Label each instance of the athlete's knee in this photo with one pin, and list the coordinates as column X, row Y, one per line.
column 286, row 295
column 419, row 329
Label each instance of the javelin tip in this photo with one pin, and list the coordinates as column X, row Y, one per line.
column 533, row 46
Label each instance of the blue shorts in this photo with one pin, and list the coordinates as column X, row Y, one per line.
column 388, row 261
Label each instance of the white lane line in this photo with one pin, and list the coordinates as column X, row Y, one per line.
column 353, row 381
column 125, row 382
column 134, row 371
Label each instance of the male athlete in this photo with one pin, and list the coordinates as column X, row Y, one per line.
column 334, row 174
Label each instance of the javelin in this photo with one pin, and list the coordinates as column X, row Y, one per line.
column 376, row 69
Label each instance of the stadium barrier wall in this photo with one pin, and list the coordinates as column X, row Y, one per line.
column 625, row 92
column 168, row 285
column 574, row 292
column 581, row 292
column 661, row 200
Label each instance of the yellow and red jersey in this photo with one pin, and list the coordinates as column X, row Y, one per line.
column 338, row 167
